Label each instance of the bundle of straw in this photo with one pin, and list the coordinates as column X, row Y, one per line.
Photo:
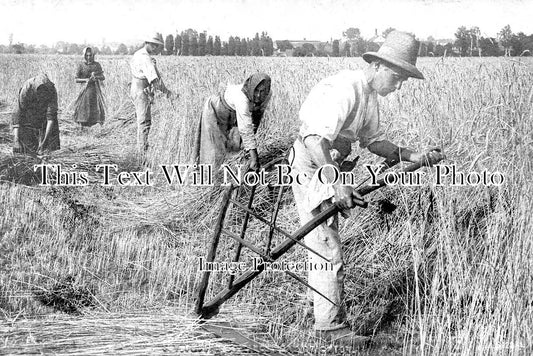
column 21, row 169
column 141, row 332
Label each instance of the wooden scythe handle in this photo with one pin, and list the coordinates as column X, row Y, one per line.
column 211, row 309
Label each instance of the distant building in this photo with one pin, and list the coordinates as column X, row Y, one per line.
column 377, row 39
column 443, row 42
column 319, row 46
column 300, row 43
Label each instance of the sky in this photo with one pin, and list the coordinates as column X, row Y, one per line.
column 129, row 21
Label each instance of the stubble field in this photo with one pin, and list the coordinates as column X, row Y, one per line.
column 450, row 271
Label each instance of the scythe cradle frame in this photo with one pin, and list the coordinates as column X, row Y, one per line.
column 207, row 310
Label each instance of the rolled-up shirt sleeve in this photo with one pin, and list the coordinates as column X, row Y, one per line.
column 237, row 101
column 149, row 69
column 143, row 66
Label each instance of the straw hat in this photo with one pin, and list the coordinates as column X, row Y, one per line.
column 399, row 49
column 157, row 39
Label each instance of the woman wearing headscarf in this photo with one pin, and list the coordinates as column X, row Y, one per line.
column 89, row 107
column 230, row 120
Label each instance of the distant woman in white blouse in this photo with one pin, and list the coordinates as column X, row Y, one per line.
column 230, row 120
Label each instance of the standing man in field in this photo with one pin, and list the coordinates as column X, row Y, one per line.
column 35, row 125
column 339, row 111
column 146, row 80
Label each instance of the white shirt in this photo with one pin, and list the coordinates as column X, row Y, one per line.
column 237, row 101
column 342, row 105
column 143, row 66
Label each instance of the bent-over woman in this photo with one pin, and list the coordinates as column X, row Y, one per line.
column 230, row 120
column 89, row 107
column 35, row 125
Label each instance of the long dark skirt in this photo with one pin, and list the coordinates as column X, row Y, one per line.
column 89, row 108
column 29, row 138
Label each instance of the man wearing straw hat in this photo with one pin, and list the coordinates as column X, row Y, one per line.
column 146, row 80
column 339, row 111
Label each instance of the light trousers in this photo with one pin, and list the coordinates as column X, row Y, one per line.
column 143, row 114
column 325, row 240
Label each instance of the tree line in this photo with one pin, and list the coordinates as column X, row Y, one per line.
column 470, row 42
column 192, row 43
column 467, row 42
column 186, row 43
